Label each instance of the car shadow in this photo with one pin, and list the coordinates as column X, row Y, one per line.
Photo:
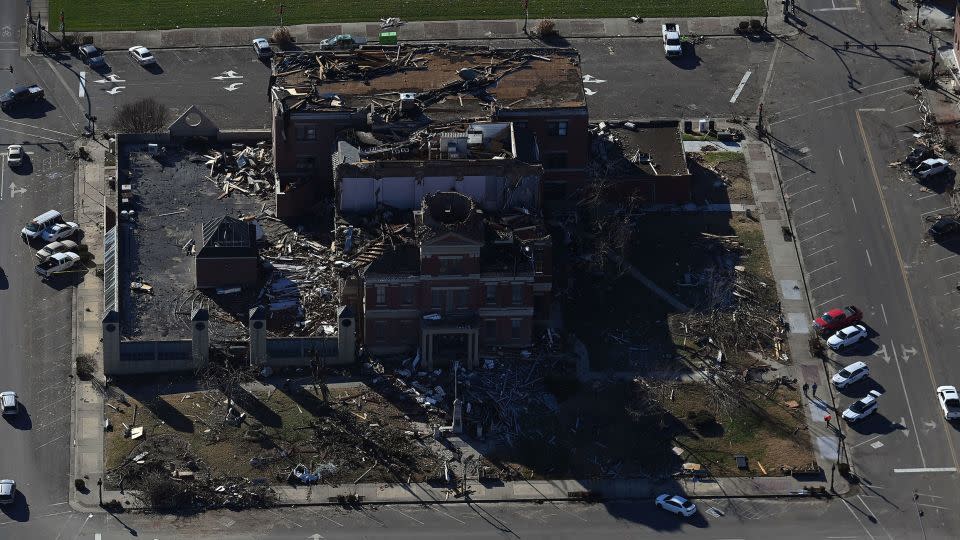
column 865, row 347
column 25, row 168
column 689, row 59
column 875, row 424
column 155, row 69
column 4, row 282
column 18, row 510
column 939, row 183
column 861, row 388
column 21, row 420
column 33, row 110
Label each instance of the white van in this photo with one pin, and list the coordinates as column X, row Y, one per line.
column 39, row 223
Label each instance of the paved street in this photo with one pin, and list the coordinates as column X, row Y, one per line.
column 839, row 114
column 36, row 318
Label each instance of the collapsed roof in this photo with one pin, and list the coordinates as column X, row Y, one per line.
column 471, row 81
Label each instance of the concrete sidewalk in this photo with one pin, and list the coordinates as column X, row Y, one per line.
column 443, row 31
column 87, row 409
column 791, row 289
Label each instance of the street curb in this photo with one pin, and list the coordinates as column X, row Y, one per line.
column 75, row 321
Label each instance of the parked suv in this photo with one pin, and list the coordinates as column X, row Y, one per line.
column 92, row 56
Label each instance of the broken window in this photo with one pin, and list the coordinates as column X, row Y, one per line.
column 557, row 128
column 490, row 328
column 555, row 160
column 381, row 295
column 514, row 328
column 306, row 133
column 517, row 294
column 491, row 295
column 380, row 331
column 407, row 294
column 450, row 265
column 306, row 162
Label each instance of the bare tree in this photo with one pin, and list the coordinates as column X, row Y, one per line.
column 142, row 116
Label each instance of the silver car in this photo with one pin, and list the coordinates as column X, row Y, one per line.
column 8, row 491
column 8, row 400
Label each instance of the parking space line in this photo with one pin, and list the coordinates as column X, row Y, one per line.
column 816, row 235
column 907, row 122
column 854, row 202
column 938, row 210
column 884, row 311
column 947, row 257
column 819, row 250
column 835, row 298
column 845, row 93
column 825, row 284
column 743, row 82
column 950, row 274
column 401, row 512
column 801, row 191
column 831, row 263
column 866, row 441
column 841, row 157
column 812, row 220
column 868, row 258
column 911, row 106
column 926, row 470
column 796, row 177
column 927, row 196
column 808, row 204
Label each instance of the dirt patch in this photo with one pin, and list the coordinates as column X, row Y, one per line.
column 719, row 177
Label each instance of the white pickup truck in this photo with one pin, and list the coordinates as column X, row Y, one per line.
column 59, row 262
column 671, row 40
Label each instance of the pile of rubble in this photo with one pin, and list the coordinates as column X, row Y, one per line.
column 302, row 284
column 246, row 169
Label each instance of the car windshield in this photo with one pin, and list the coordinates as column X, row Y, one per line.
column 844, row 373
column 673, row 41
column 827, row 317
column 145, row 53
column 34, row 227
column 858, row 407
column 686, row 504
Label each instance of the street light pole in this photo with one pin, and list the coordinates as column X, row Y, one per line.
column 526, row 15
column 100, row 489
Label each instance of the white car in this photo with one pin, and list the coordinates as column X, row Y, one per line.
column 850, row 374
column 9, row 403
column 15, row 155
column 931, row 167
column 142, row 55
column 59, row 231
column 949, row 402
column 53, row 248
column 862, row 408
column 8, row 491
column 676, row 504
column 848, row 336
column 262, row 47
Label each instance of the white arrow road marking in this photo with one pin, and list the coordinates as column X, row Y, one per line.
column 588, row 91
column 882, row 351
column 930, row 424
column 83, row 83
column 232, row 87
column 228, row 75
column 14, row 190
column 592, row 79
column 907, row 352
column 111, row 78
column 903, row 422
column 115, row 90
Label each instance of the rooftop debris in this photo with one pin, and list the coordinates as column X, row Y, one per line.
column 247, row 169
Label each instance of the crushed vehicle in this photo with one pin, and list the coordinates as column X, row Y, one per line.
column 342, row 41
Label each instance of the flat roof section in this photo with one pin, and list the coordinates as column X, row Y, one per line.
column 170, row 195
column 652, row 148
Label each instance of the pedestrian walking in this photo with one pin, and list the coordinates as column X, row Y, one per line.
column 814, row 389
column 806, row 388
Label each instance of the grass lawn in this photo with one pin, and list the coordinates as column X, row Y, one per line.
column 161, row 14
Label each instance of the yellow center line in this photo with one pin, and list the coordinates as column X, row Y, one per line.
column 903, row 275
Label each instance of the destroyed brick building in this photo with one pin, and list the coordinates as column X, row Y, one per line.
column 386, row 96
column 451, row 280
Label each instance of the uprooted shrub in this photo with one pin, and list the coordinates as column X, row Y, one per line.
column 282, row 37
column 85, row 367
column 546, row 29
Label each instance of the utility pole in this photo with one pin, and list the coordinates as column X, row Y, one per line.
column 933, row 61
column 280, row 11
column 63, row 33
column 526, row 15
column 100, row 489
column 918, row 4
